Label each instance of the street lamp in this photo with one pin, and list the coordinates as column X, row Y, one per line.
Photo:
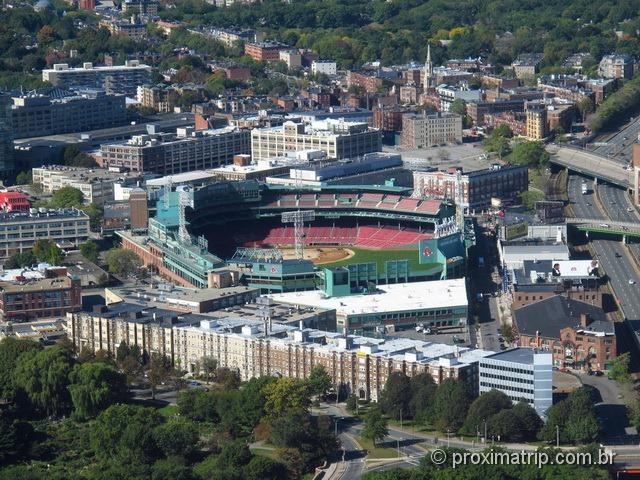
column 557, row 436
column 448, row 439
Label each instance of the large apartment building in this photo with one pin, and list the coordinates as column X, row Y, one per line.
column 40, row 115
column 616, row 66
column 337, row 138
column 26, row 295
column 422, row 130
column 67, row 227
column 7, row 165
column 254, row 348
column 478, row 187
column 119, row 79
column 184, row 151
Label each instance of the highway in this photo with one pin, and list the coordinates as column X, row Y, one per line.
column 590, row 164
column 615, row 259
column 618, row 146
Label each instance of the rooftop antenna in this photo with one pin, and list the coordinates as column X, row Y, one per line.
column 298, row 218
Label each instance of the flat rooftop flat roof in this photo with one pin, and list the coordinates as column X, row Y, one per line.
column 181, row 178
column 390, row 298
column 517, row 355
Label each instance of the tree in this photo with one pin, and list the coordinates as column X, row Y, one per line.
column 531, row 154
column 95, row 386
column 207, row 367
column 451, row 404
column 125, row 432
column 122, row 262
column 396, row 395
column 227, row 378
column 529, row 422
column 529, row 199
column 619, row 369
column 319, row 381
column 11, row 349
column 507, row 332
column 285, row 396
column 177, row 437
column 498, row 144
column 47, row 251
column 67, row 197
column 44, row 377
column 423, row 392
column 21, row 260
column 482, row 408
column 158, row 371
column 250, row 404
column 24, row 178
column 89, row 250
column 234, row 455
column 171, row 469
column 458, row 106
column 263, row 468
column 375, row 425
column 352, row 403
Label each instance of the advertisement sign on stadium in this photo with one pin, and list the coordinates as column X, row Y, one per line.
column 515, row 230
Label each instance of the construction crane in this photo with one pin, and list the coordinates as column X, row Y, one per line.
column 298, row 218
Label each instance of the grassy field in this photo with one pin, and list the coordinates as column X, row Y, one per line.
column 363, row 255
column 376, row 453
column 168, row 411
column 265, row 452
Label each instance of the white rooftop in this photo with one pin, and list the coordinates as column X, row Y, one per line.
column 35, row 273
column 180, row 178
column 398, row 297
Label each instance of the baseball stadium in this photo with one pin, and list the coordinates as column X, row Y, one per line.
column 379, row 234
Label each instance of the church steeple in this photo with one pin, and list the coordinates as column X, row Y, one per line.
column 428, row 70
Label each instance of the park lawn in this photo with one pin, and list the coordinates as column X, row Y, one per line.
column 364, row 255
column 168, row 411
column 265, row 452
column 376, row 453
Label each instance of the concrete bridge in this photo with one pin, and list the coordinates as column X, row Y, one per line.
column 626, row 229
column 591, row 165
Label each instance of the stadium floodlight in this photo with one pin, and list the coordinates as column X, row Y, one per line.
column 298, row 218
column 185, row 196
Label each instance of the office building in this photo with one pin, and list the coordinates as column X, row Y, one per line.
column 120, row 79
column 95, row 184
column 40, row 115
column 478, row 187
column 577, row 333
column 423, row 130
column 163, row 98
column 616, row 66
column 255, row 347
column 256, row 171
column 67, row 227
column 337, row 138
column 28, row 294
column 7, row 166
column 185, row 151
column 523, row 374
column 231, row 36
column 323, row 66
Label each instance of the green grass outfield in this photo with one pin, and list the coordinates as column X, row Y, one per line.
column 363, row 255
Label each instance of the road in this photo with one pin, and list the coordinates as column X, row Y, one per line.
column 590, row 163
column 618, row 146
column 619, row 268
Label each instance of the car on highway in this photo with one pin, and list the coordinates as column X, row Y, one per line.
column 629, row 209
column 632, row 281
column 617, row 255
column 604, row 225
column 588, row 204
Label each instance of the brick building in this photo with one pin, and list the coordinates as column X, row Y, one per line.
column 12, row 201
column 267, row 51
column 26, row 295
column 578, row 334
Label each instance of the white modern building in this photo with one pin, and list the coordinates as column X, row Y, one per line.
column 449, row 93
column 323, row 66
column 436, row 303
column 523, row 374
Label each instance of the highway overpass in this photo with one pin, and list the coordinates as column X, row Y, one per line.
column 590, row 164
column 629, row 229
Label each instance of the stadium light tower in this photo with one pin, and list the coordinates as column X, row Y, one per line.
column 185, row 200
column 298, row 218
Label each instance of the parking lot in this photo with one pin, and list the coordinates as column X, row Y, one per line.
column 468, row 156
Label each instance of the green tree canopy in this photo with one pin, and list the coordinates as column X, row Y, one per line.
column 11, row 349
column 484, row 407
column 47, row 251
column 177, row 437
column 89, row 250
column 67, row 197
column 451, row 405
column 44, row 377
column 95, row 386
column 375, row 425
column 319, row 381
column 531, row 154
column 286, row 396
column 396, row 395
column 122, row 262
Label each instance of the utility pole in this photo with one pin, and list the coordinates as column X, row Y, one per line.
column 557, row 436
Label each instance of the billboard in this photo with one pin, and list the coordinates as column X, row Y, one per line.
column 550, row 212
